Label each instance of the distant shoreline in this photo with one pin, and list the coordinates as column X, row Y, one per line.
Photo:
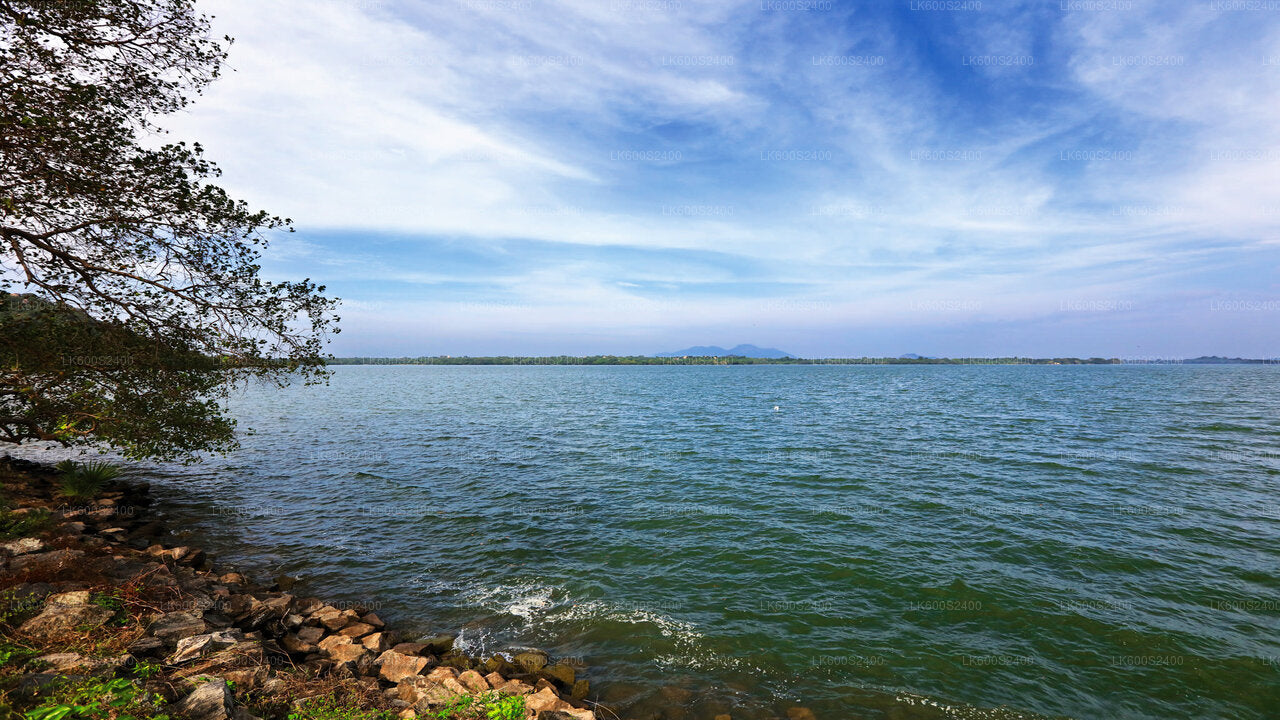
column 740, row 360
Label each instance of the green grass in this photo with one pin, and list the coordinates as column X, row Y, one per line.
column 82, row 481
column 487, row 706
column 14, row 525
column 330, row 708
column 96, row 700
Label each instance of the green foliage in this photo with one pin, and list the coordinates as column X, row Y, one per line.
column 117, row 699
column 16, row 525
column 145, row 669
column 11, row 654
column 330, row 708
column 486, row 706
column 85, row 480
column 142, row 302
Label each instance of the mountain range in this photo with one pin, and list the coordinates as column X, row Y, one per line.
column 750, row 351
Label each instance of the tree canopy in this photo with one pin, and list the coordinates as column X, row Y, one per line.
column 107, row 227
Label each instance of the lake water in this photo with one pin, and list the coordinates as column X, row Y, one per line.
column 889, row 542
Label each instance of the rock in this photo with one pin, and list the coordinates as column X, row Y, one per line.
column 515, row 687
column 77, row 597
column 331, row 643
column 474, row 681
column 724, row 717
column 249, row 679
column 438, row 644
column 58, row 618
column 395, row 666
column 196, row 646
column 294, row 644
column 238, row 607
column 373, row 620
column 545, row 699
column 210, row 701
column 800, row 713
column 376, row 643
column 531, row 661
column 494, row 679
column 285, row 582
column 442, row 673
column 172, row 627
column 409, row 648
column 356, row 630
column 311, row 635
column 426, row 694
column 231, row 578
column 580, row 690
column 74, row 527
column 561, row 673
column 348, row 653
column 458, row 659
column 455, row 687
column 146, row 646
column 331, row 617
column 269, row 610
column 23, row 546
column 66, row 662
column 292, row 621
column 45, row 562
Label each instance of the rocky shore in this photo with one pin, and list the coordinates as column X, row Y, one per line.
column 102, row 615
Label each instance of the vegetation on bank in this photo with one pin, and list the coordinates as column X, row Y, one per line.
column 133, row 298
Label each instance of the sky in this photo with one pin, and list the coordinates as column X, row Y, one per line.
column 942, row 177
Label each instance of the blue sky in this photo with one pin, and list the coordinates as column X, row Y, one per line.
column 631, row 176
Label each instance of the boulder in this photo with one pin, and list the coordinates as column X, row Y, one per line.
column 532, row 661
column 438, row 644
column 349, row 653
column 474, row 681
column 66, row 662
column 311, row 635
column 172, row 627
column 545, row 699
column 210, row 701
column 197, row 646
column 395, row 667
column 294, row 644
column 23, row 546
column 329, row 644
column 57, row 619
column 442, row 673
column 331, row 618
column 373, row 620
column 45, row 562
column 357, row 629
column 800, row 713
column 146, row 646
column 408, row 648
column 580, row 690
column 561, row 673
column 376, row 643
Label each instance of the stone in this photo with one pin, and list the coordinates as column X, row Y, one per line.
column 348, row 653
column 146, row 646
column 430, row 695
column 545, row 699
column 331, row 617
column 561, row 673
column 580, row 690
column 45, row 562
column 292, row 621
column 311, row 635
column 231, row 578
column 438, row 644
column 286, row 582
column 373, row 620
column 455, row 687
column 76, row 527
column 294, row 644
column 442, row 673
column 249, row 679
column 269, row 610
column 531, row 661
column 474, row 681
column 172, row 627
column 495, row 679
column 409, row 648
column 395, row 667
column 196, row 646
column 356, row 630
column 800, row 713
column 515, row 687
column 58, row 619
column 724, row 717
column 376, row 643
column 329, row 644
column 66, row 662
column 23, row 546
column 76, row 597
column 210, row 701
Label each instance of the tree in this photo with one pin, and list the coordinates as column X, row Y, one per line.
column 105, row 227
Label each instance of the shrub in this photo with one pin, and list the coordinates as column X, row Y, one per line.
column 15, row 525
column 85, row 480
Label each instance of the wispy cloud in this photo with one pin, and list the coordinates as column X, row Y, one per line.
column 622, row 173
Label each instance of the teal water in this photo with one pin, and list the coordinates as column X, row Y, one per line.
column 891, row 542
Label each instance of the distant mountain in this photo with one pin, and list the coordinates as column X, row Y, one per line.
column 750, row 351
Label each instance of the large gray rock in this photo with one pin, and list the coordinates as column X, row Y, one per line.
column 210, row 701
column 197, row 646
column 63, row 615
column 22, row 546
column 174, row 626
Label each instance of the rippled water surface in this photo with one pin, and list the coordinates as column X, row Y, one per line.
column 890, row 542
